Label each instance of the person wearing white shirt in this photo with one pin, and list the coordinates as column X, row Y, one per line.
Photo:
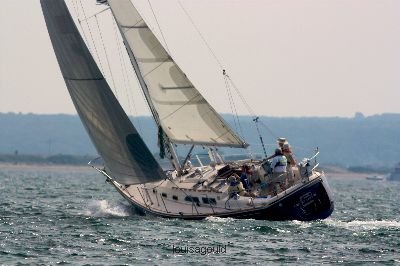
column 278, row 165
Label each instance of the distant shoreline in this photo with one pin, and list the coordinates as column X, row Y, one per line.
column 45, row 167
column 347, row 175
column 34, row 138
column 337, row 173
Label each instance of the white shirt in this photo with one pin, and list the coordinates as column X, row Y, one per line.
column 279, row 164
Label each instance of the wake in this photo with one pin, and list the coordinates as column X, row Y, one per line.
column 102, row 208
column 364, row 225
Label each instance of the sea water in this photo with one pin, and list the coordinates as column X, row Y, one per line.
column 71, row 216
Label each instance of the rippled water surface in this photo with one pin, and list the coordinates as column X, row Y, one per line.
column 71, row 216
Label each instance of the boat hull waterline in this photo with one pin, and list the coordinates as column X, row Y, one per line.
column 311, row 201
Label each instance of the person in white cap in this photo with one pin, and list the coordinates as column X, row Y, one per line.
column 291, row 162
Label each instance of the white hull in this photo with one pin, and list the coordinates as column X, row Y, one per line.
column 185, row 197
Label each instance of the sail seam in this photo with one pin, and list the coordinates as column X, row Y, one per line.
column 83, row 79
column 166, row 60
column 135, row 27
column 177, row 88
column 188, row 102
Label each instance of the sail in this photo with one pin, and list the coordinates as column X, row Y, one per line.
column 127, row 158
column 178, row 107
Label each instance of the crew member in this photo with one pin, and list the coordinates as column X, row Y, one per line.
column 278, row 165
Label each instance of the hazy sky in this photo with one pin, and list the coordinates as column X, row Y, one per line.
column 287, row 58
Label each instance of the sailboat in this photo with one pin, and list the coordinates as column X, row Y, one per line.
column 183, row 116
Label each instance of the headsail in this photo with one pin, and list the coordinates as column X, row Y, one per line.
column 127, row 158
column 178, row 107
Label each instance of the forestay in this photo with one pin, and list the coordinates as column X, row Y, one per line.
column 178, row 107
column 126, row 157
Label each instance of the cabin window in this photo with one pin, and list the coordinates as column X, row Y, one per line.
column 164, row 195
column 211, row 201
column 192, row 199
column 175, row 197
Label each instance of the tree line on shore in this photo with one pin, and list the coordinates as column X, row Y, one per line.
column 359, row 141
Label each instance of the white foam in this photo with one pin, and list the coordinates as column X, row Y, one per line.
column 301, row 224
column 101, row 208
column 218, row 219
column 364, row 225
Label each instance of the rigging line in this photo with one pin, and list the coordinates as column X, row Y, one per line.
column 91, row 35
column 216, row 59
column 95, row 14
column 249, row 109
column 202, row 37
column 162, row 34
column 183, row 191
column 230, row 102
column 76, row 8
column 219, row 63
column 105, row 52
column 121, row 61
column 268, row 129
column 235, row 114
column 159, row 184
column 138, row 84
column 132, row 106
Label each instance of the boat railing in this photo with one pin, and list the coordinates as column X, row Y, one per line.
column 204, row 159
column 306, row 168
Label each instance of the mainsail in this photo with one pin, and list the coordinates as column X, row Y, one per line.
column 177, row 106
column 127, row 158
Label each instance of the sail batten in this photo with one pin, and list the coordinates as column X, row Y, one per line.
column 83, row 79
column 135, row 27
column 126, row 157
column 177, row 106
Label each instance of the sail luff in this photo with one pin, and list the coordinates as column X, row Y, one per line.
column 182, row 112
column 126, row 157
